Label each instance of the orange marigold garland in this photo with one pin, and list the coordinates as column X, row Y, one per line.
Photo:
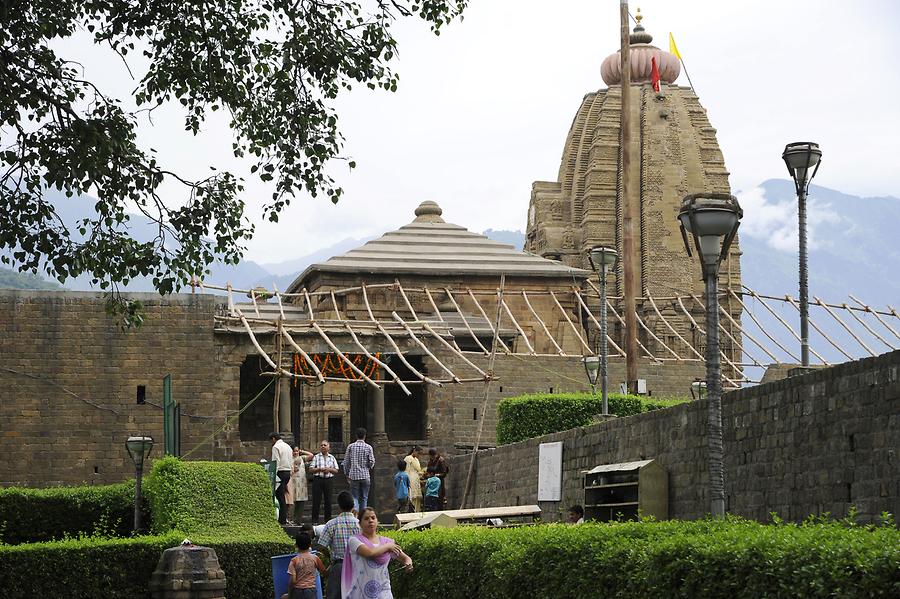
column 331, row 365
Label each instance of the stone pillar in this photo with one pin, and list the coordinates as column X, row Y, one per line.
column 284, row 410
column 188, row 572
column 376, row 397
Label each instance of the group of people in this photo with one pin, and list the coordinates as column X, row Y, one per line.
column 416, row 488
column 359, row 557
column 411, row 477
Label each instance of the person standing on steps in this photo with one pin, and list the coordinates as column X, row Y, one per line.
column 358, row 460
column 323, row 468
column 334, row 537
column 416, row 472
column 283, row 457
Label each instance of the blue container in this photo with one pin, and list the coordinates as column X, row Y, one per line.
column 282, row 579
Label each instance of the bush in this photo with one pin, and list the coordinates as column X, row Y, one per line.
column 733, row 558
column 226, row 506
column 34, row 515
column 527, row 416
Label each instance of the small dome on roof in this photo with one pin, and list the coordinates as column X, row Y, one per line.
column 640, row 54
column 429, row 212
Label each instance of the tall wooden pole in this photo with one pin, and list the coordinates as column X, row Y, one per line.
column 628, row 262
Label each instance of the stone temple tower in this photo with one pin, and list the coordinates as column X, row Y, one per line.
column 674, row 153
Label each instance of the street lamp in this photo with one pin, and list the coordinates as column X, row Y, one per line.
column 799, row 157
column 139, row 449
column 601, row 258
column 712, row 220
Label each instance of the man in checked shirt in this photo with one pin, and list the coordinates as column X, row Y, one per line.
column 334, row 537
column 358, row 460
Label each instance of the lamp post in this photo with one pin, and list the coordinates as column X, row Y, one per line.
column 601, row 258
column 139, row 449
column 799, row 157
column 712, row 221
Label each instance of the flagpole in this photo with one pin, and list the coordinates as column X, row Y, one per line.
column 687, row 75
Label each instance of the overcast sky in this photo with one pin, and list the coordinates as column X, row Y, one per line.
column 483, row 109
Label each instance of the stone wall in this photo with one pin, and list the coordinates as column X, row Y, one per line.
column 812, row 444
column 69, row 380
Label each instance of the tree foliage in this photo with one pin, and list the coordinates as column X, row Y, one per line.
column 273, row 65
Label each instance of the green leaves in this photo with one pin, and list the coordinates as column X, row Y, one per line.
column 731, row 558
column 274, row 66
column 528, row 416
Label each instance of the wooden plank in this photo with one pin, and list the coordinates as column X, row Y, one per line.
column 512, row 511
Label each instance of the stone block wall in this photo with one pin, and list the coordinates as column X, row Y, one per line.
column 69, row 379
column 817, row 443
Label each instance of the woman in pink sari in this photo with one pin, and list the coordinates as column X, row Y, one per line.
column 365, row 574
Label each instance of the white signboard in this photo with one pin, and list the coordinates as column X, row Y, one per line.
column 550, row 471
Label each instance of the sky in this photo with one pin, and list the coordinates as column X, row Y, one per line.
column 482, row 110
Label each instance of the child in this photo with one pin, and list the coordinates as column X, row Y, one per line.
column 401, row 486
column 432, row 491
column 302, row 570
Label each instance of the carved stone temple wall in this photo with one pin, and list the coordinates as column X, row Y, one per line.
column 674, row 153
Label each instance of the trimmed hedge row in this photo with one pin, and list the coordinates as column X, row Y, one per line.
column 527, row 416
column 34, row 515
column 226, row 506
column 730, row 559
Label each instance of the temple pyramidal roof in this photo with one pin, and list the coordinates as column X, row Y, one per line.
column 429, row 246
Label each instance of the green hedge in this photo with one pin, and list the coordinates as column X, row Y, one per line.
column 226, row 506
column 729, row 559
column 34, row 515
column 527, row 416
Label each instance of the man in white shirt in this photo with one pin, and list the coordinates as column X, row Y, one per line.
column 283, row 456
column 323, row 468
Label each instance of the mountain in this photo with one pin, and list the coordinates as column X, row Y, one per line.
column 513, row 238
column 10, row 279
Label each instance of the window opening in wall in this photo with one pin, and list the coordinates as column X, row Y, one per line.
column 501, row 388
column 96, row 469
column 141, row 395
column 474, row 413
column 336, row 434
column 551, row 389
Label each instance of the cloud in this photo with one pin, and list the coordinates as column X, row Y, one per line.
column 776, row 222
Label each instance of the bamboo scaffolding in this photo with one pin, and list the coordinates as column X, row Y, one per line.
column 406, row 299
column 752, row 293
column 256, row 309
column 278, row 298
column 569, row 320
column 390, row 340
column 387, row 368
column 541, row 322
column 875, row 313
column 843, row 324
column 609, row 339
column 454, row 349
column 782, row 321
column 518, row 327
column 487, row 388
column 305, row 355
column 671, row 328
column 765, row 331
column 816, row 327
column 341, row 355
column 434, row 305
column 745, row 334
column 733, row 340
column 425, row 347
column 465, row 321
column 873, row 333
column 487, row 320
column 609, row 305
column 862, row 322
column 722, row 354
column 337, row 311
